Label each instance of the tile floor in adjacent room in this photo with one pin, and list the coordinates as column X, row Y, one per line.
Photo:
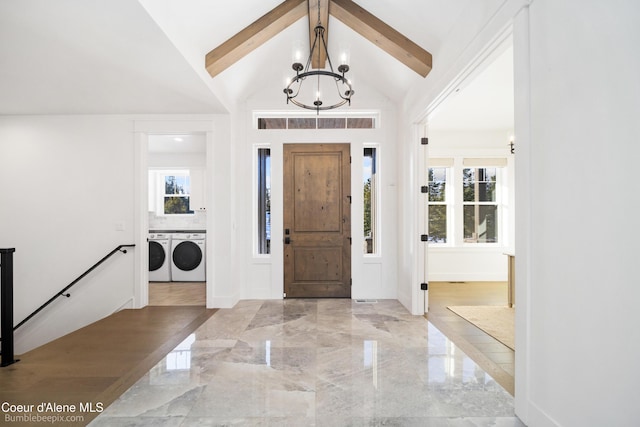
column 327, row 362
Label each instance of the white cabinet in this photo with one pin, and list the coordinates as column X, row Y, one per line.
column 198, row 199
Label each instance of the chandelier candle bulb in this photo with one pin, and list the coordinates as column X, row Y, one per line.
column 345, row 55
column 297, row 52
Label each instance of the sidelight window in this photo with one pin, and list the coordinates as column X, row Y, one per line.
column 370, row 190
column 264, row 200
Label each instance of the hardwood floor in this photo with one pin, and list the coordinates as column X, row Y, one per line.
column 95, row 364
column 493, row 356
column 177, row 293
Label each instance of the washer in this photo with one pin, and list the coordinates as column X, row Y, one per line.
column 159, row 257
column 188, row 257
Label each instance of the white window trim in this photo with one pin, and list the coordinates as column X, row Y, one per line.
column 255, row 233
column 449, row 202
column 455, row 203
column 159, row 190
column 377, row 217
column 366, row 114
column 501, row 177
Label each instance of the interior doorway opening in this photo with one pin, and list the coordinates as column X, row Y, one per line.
column 470, row 209
column 176, row 219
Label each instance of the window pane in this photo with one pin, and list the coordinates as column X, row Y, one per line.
column 437, row 184
column 359, row 123
column 438, row 223
column 369, row 193
column 468, row 185
column 182, row 184
column 479, row 185
column 302, row 123
column 176, row 205
column 331, row 123
column 272, row 123
column 169, row 185
column 481, row 223
column 486, row 184
column 176, row 184
column 264, row 200
column 486, row 191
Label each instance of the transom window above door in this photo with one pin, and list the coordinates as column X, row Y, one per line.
column 306, row 122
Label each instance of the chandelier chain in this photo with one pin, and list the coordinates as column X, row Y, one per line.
column 292, row 90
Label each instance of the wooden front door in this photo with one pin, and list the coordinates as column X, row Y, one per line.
column 317, row 221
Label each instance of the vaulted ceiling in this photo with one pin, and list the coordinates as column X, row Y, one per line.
column 148, row 56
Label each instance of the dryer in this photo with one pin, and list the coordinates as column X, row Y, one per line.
column 188, row 257
column 159, row 257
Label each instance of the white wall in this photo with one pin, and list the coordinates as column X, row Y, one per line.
column 68, row 184
column 71, row 183
column 581, row 346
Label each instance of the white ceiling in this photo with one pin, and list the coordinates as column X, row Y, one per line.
column 89, row 57
column 485, row 102
column 147, row 56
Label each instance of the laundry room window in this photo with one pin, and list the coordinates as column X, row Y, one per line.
column 177, row 191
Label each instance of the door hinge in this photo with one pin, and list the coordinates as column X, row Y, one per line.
column 424, row 189
column 350, row 159
column 424, row 237
column 424, row 286
column 349, row 197
column 424, row 141
column 350, row 282
column 350, row 241
column 284, row 295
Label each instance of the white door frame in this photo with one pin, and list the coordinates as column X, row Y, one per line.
column 142, row 130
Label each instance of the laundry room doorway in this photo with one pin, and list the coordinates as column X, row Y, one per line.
column 177, row 218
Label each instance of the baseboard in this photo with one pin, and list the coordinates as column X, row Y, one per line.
column 537, row 417
column 127, row 304
column 222, row 302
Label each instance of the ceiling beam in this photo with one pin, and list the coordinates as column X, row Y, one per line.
column 319, row 57
column 382, row 35
column 253, row 36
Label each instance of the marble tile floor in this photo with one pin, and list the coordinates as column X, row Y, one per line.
column 492, row 356
column 326, row 362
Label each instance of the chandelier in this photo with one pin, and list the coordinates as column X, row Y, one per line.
column 322, row 80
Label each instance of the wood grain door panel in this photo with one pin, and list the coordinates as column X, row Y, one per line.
column 317, row 220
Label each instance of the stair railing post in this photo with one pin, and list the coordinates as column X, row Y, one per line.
column 6, row 305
